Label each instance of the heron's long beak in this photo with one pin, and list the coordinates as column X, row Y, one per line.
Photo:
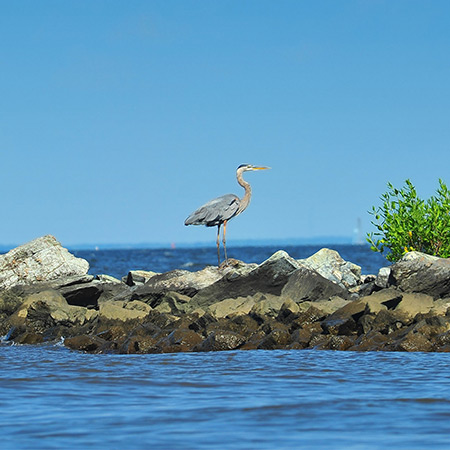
column 260, row 168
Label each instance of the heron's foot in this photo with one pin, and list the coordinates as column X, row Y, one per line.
column 229, row 263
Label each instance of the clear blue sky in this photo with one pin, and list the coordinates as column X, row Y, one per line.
column 119, row 118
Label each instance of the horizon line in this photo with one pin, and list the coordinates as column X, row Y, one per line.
column 319, row 240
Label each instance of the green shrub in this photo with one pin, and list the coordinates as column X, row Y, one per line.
column 406, row 223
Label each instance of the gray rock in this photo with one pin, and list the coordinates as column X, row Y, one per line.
column 232, row 307
column 308, row 285
column 267, row 278
column 333, row 267
column 328, row 306
column 382, row 279
column 414, row 303
column 171, row 303
column 49, row 308
column 78, row 290
column 138, row 277
column 115, row 291
column 418, row 272
column 267, row 306
column 107, row 279
column 382, row 300
column 43, row 259
column 117, row 310
column 182, row 281
column 83, row 294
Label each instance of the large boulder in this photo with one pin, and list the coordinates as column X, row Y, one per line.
column 232, row 307
column 418, row 272
column 117, row 310
column 267, row 278
column 305, row 284
column 182, row 281
column 43, row 259
column 78, row 290
column 333, row 267
column 43, row 310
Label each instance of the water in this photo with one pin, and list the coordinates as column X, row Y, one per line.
column 51, row 398
column 118, row 262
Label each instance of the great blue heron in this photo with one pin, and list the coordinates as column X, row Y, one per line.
column 220, row 210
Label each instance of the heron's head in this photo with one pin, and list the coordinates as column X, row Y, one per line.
column 246, row 167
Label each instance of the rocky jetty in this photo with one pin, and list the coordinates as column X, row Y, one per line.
column 321, row 302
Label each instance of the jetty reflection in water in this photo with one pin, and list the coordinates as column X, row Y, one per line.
column 54, row 398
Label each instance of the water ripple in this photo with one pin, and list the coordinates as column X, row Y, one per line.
column 52, row 398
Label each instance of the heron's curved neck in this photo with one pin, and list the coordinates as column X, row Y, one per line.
column 245, row 200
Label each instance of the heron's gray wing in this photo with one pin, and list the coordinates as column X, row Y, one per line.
column 215, row 211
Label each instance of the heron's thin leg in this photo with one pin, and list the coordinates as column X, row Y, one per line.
column 218, row 243
column 224, row 240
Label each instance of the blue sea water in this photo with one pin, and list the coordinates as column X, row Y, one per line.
column 54, row 398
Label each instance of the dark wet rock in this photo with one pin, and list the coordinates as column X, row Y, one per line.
column 289, row 310
column 442, row 342
column 85, row 343
column 277, row 338
column 266, row 306
column 319, row 342
column 142, row 339
column 179, row 340
column 253, row 341
column 30, row 338
column 370, row 341
column 308, row 285
column 418, row 272
column 83, row 294
column 340, row 343
column 140, row 344
column 294, row 322
column 220, row 340
column 43, row 259
column 344, row 320
column 387, row 322
column 198, row 323
column 413, row 342
column 305, row 334
column 245, row 324
column 365, row 323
